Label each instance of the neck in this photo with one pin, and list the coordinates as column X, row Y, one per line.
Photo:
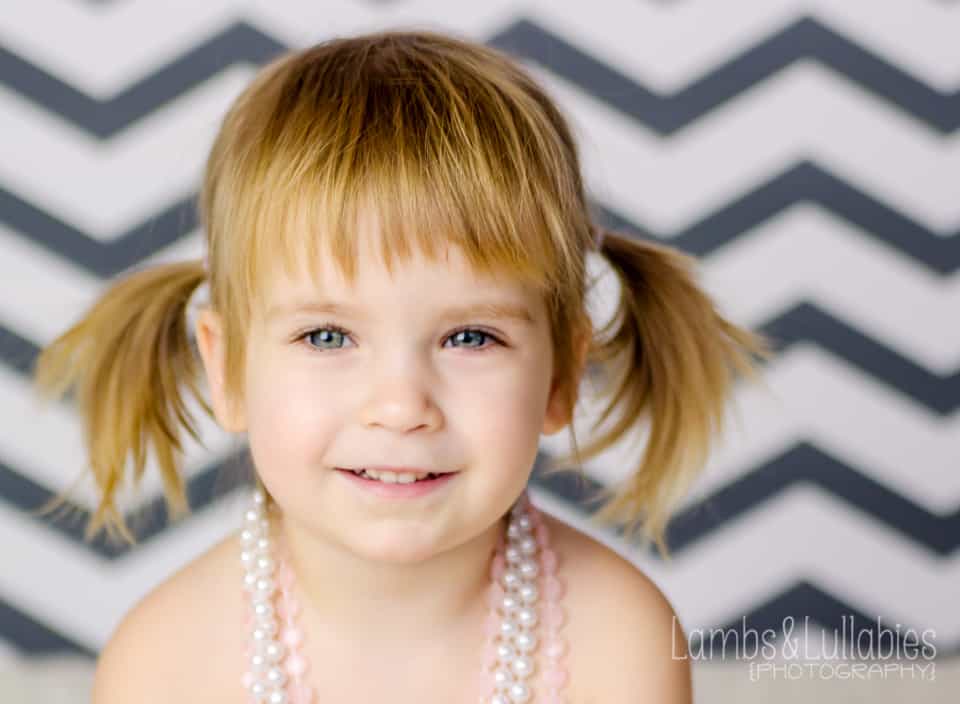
column 383, row 603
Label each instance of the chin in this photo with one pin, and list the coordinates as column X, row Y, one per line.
column 393, row 546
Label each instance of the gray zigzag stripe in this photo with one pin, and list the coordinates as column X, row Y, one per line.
column 806, row 600
column 800, row 600
column 104, row 118
column 800, row 183
column 804, row 322
column 804, row 39
column 802, row 463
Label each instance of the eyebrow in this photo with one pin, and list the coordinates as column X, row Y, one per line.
column 492, row 309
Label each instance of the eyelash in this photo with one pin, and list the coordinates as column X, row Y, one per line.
column 302, row 337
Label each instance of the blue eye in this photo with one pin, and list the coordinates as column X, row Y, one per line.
column 328, row 330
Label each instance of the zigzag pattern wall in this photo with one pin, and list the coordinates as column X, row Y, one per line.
column 808, row 158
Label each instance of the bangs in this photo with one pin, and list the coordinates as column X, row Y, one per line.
column 430, row 155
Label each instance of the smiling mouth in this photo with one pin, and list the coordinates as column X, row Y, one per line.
column 395, row 477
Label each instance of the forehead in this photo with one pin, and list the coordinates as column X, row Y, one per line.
column 442, row 281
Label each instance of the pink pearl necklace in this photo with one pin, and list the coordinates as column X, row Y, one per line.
column 523, row 570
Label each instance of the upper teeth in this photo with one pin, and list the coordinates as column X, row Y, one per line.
column 392, row 477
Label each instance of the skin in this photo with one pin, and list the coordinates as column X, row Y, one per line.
column 403, row 617
column 401, row 387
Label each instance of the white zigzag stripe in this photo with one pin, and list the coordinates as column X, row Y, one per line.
column 854, row 427
column 9, row 653
column 801, row 535
column 879, row 28
column 28, row 427
column 148, row 39
column 867, row 285
column 149, row 36
column 858, row 577
column 758, row 428
column 58, row 292
column 106, row 188
column 101, row 592
column 639, row 39
column 674, row 182
column 50, row 471
column 782, row 257
column 885, row 455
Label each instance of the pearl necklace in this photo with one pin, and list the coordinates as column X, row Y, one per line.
column 521, row 570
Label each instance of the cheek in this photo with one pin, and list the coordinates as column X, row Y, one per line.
column 287, row 420
column 507, row 413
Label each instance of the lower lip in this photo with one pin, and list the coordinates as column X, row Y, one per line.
column 399, row 491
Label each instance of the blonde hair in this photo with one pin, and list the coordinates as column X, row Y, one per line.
column 450, row 142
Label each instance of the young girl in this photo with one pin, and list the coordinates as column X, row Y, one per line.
column 397, row 235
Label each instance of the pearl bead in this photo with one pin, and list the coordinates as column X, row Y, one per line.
column 515, row 532
column 528, row 593
column 511, row 579
column 519, row 692
column 526, row 617
column 292, row 636
column 263, row 609
column 273, row 651
column 259, row 662
column 522, row 666
column 528, row 569
column 296, row 665
column 555, row 648
column 264, row 631
column 508, row 628
column 276, row 669
column 502, row 678
column 549, row 560
column 505, row 651
column 276, row 676
column 525, row 641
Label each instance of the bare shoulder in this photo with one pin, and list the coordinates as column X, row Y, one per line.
column 626, row 643
column 169, row 645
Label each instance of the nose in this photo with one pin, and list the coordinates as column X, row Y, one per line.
column 400, row 398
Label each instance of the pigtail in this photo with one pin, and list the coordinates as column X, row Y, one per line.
column 667, row 357
column 126, row 360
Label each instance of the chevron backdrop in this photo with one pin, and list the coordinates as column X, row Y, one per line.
column 806, row 151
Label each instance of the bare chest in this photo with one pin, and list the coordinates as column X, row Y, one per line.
column 423, row 672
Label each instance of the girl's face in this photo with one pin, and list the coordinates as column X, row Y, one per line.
column 401, row 376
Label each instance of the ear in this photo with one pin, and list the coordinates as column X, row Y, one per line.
column 210, row 342
column 558, row 414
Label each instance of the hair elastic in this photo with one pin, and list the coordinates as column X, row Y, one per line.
column 598, row 235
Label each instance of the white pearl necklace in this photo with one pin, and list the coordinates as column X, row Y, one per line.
column 275, row 669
